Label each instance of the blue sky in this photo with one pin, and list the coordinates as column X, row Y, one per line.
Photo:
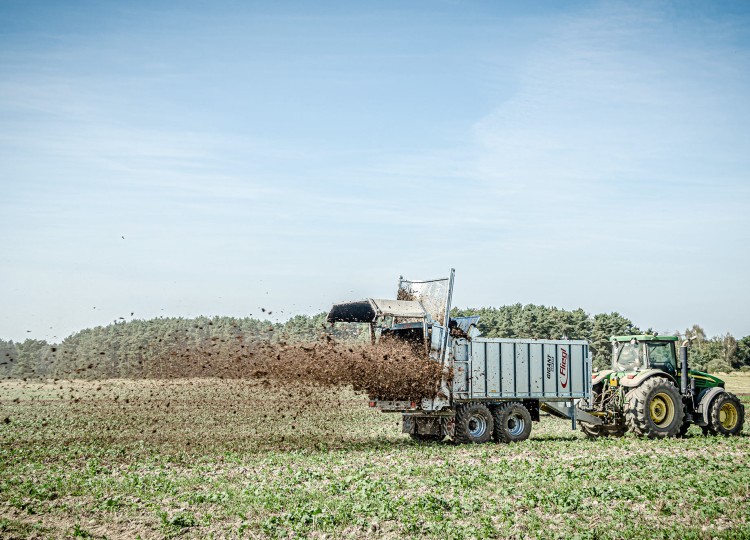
column 291, row 155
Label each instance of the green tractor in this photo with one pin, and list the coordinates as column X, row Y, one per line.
column 649, row 393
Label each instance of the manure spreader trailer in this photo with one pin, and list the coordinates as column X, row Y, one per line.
column 493, row 388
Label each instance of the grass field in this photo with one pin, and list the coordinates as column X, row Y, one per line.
column 211, row 458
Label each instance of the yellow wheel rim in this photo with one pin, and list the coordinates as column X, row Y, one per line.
column 662, row 409
column 728, row 416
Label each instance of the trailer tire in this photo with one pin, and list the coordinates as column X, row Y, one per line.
column 512, row 423
column 727, row 415
column 655, row 409
column 420, row 438
column 474, row 424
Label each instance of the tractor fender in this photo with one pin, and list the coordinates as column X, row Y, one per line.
column 599, row 376
column 643, row 376
column 704, row 406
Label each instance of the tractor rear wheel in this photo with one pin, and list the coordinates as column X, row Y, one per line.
column 512, row 423
column 473, row 423
column 655, row 409
column 727, row 415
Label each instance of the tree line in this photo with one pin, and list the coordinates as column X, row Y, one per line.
column 162, row 347
column 715, row 354
column 175, row 346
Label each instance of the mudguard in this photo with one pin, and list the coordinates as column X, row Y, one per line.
column 599, row 376
column 629, row 381
column 705, row 404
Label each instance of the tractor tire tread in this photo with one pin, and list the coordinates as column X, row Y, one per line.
column 715, row 426
column 593, row 431
column 500, row 420
column 637, row 410
column 464, row 412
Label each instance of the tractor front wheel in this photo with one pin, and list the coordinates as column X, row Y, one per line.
column 473, row 423
column 727, row 415
column 655, row 409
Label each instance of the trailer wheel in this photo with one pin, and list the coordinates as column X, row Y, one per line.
column 512, row 423
column 655, row 409
column 418, row 437
column 727, row 415
column 473, row 423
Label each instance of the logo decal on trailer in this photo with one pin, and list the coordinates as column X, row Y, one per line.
column 564, row 368
column 550, row 366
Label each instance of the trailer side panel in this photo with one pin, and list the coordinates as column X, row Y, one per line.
column 492, row 369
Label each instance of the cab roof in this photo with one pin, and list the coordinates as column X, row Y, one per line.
column 645, row 337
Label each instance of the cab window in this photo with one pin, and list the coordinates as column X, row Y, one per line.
column 661, row 356
column 628, row 357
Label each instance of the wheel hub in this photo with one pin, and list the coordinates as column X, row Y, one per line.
column 662, row 409
column 728, row 416
column 477, row 426
column 516, row 424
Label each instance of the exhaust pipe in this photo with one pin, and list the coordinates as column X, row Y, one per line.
column 684, row 367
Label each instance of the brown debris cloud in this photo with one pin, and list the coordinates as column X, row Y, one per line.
column 390, row 370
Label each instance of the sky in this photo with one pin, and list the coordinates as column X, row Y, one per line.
column 212, row 158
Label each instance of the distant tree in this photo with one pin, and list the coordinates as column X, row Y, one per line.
column 33, row 359
column 8, row 358
column 742, row 354
column 696, row 334
column 728, row 349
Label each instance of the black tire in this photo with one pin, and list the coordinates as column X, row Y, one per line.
column 655, row 409
column 726, row 415
column 420, row 438
column 512, row 423
column 684, row 428
column 614, row 430
column 592, row 432
column 474, row 424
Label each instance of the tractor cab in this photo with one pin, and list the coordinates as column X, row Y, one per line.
column 637, row 353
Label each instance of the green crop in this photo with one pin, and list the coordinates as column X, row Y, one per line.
column 240, row 459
